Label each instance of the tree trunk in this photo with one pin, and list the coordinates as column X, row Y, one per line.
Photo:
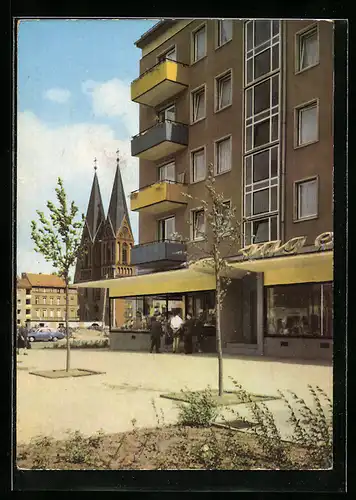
column 67, row 328
column 218, row 335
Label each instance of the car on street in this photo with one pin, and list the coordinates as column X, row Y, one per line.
column 45, row 335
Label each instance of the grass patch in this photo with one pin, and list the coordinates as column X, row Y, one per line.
column 81, row 344
column 75, row 372
column 227, row 399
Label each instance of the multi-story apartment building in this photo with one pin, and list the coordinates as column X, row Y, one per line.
column 43, row 300
column 255, row 99
column 108, row 241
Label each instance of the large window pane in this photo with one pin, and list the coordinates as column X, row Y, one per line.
column 327, row 309
column 307, row 199
column 225, row 31
column 260, row 231
column 307, row 125
column 199, row 44
column 274, row 161
column 262, row 63
column 261, row 202
column 262, row 32
column 261, row 166
column 198, row 165
column 296, row 310
column 308, row 49
column 224, row 155
column 262, row 96
column 248, row 167
column 249, row 35
column 261, row 133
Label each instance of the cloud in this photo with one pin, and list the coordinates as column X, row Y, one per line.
column 46, row 153
column 112, row 98
column 57, row 95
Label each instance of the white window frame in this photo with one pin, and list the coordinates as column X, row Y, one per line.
column 193, row 49
column 218, row 79
column 268, row 114
column 44, row 299
column 193, row 213
column 161, row 221
column 165, row 53
column 163, row 111
column 256, row 50
column 192, row 153
column 218, row 32
column 44, row 313
column 216, row 154
column 164, row 165
column 58, row 301
column 256, row 219
column 297, row 110
column 193, row 93
column 297, row 184
column 271, row 182
column 299, row 36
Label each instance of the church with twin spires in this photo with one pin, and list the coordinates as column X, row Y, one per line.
column 108, row 242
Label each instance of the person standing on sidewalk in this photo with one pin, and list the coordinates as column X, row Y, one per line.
column 156, row 332
column 176, row 326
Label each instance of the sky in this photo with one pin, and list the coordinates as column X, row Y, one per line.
column 73, row 105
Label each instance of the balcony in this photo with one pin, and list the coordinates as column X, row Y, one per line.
column 161, row 82
column 161, row 140
column 159, row 197
column 163, row 253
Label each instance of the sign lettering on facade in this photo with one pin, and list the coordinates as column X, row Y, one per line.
column 324, row 241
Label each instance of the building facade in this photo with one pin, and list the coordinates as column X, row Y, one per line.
column 43, row 301
column 255, row 100
column 108, row 242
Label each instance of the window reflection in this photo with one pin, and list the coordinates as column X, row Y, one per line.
column 299, row 310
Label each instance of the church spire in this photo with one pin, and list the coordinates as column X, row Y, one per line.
column 117, row 206
column 95, row 212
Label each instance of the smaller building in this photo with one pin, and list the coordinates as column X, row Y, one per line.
column 41, row 299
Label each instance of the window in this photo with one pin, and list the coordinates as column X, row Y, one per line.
column 199, row 44
column 51, row 313
column 37, row 313
column 308, row 49
column 19, row 301
column 18, row 311
column 261, row 183
column 224, row 31
column 167, row 172
column 198, row 105
column 59, row 315
column 262, row 40
column 171, row 55
column 167, row 114
column 198, row 224
column 44, row 313
column 166, row 228
column 44, row 300
column 124, row 253
column 262, row 113
column 198, row 165
column 303, row 310
column 307, row 199
column 58, row 301
column 261, row 230
column 223, row 91
column 223, row 155
column 51, row 301
column 37, row 301
column 307, row 124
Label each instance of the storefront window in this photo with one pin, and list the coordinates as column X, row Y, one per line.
column 202, row 303
column 303, row 310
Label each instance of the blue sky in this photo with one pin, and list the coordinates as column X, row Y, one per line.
column 73, row 104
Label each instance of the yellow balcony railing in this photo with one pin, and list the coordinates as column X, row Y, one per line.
column 159, row 197
column 161, row 82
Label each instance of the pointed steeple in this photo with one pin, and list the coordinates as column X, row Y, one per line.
column 118, row 206
column 95, row 213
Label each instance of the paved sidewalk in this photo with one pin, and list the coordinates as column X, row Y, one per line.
column 111, row 400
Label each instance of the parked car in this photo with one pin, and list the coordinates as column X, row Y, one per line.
column 45, row 334
column 94, row 326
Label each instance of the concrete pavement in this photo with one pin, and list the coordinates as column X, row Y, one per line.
column 110, row 401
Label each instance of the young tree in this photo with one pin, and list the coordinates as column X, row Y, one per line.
column 215, row 245
column 59, row 241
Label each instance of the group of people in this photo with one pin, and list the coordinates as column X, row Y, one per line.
column 175, row 330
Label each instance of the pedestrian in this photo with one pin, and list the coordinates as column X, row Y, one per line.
column 21, row 340
column 199, row 328
column 188, row 334
column 156, row 332
column 177, row 329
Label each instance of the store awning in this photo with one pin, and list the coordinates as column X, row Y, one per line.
column 177, row 281
column 283, row 270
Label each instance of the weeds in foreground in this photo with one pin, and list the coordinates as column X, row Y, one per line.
column 83, row 344
column 199, row 410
